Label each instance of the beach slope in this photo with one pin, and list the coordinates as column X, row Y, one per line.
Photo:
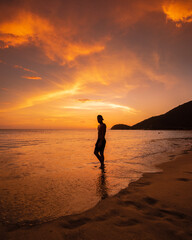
column 158, row 206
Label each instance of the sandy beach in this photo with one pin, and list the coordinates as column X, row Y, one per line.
column 157, row 206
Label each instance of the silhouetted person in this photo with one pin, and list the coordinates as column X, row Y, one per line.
column 100, row 144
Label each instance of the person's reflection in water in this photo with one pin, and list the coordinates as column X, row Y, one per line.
column 102, row 184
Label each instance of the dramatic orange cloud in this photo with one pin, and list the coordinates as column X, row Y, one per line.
column 63, row 51
column 178, row 11
column 23, row 29
column 64, row 62
column 57, row 42
column 32, row 77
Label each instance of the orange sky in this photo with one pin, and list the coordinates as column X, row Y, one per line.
column 64, row 62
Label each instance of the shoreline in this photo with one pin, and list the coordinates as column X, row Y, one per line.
column 139, row 211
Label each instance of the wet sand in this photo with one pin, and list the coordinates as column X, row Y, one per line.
column 158, row 206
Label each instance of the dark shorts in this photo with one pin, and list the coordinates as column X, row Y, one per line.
column 100, row 148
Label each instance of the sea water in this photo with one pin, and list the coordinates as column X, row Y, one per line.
column 46, row 174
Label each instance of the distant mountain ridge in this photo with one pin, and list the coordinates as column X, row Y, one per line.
column 121, row 126
column 179, row 118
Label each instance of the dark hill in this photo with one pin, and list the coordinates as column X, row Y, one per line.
column 179, row 118
column 120, row 127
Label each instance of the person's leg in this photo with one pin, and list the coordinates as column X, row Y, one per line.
column 102, row 157
column 99, row 152
column 96, row 152
column 102, row 152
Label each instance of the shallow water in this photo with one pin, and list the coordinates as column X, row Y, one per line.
column 45, row 174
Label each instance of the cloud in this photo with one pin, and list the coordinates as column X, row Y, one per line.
column 84, row 100
column 71, row 29
column 32, row 77
column 43, row 98
column 22, row 29
column 18, row 67
column 99, row 105
column 49, row 96
column 23, row 68
column 68, row 51
column 119, row 70
column 59, row 42
column 178, row 11
column 93, row 55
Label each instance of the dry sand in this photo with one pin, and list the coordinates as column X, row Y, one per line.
column 158, row 206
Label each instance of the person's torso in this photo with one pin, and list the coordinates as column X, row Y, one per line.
column 101, row 131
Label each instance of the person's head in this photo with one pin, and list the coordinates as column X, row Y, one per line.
column 100, row 119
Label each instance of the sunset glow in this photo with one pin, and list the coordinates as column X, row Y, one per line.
column 178, row 11
column 67, row 61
